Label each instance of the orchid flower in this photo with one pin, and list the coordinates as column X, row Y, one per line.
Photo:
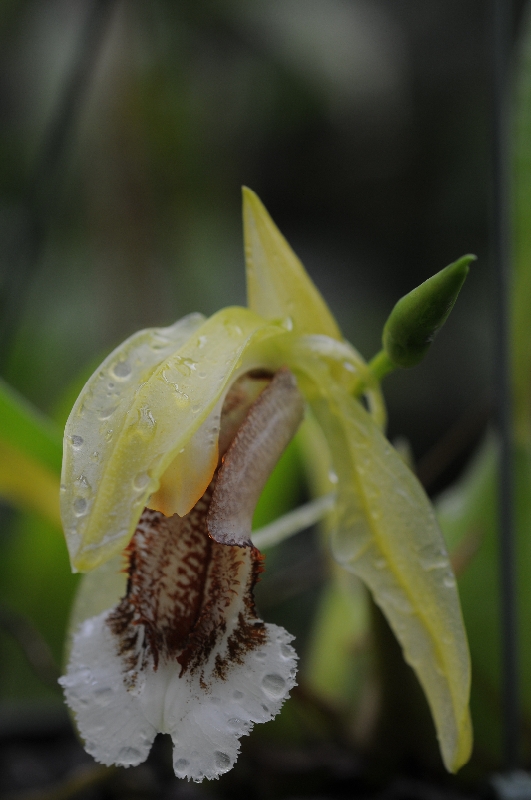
column 166, row 452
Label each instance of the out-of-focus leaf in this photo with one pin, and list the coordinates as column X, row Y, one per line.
column 36, row 582
column 521, row 297
column 467, row 512
column 28, row 485
column 23, row 427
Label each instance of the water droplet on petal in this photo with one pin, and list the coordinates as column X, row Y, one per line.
column 128, row 755
column 140, row 481
column 273, row 684
column 103, row 695
column 182, row 399
column 106, row 413
column 222, row 760
column 286, row 651
column 108, row 435
column 77, row 441
column 80, row 507
column 449, row 581
column 122, row 370
column 181, row 764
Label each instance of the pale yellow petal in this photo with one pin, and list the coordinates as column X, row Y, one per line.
column 166, row 411
column 277, row 283
column 386, row 532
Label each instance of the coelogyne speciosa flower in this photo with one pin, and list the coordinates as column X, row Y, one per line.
column 167, row 450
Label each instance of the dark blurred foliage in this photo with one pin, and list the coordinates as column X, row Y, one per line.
column 364, row 126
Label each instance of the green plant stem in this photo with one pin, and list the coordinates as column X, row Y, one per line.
column 381, row 365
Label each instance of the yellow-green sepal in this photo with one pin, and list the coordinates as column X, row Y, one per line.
column 277, row 284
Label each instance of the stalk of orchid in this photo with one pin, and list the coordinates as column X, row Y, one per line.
column 166, row 452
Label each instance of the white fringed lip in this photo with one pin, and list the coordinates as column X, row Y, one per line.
column 183, row 653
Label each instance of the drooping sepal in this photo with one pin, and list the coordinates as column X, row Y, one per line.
column 385, row 531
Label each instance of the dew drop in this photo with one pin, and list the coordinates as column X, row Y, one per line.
column 77, row 441
column 140, row 481
column 146, row 417
column 273, row 684
column 201, row 374
column 222, row 760
column 196, row 408
column 106, row 413
column 80, row 506
column 182, row 399
column 287, row 323
column 181, row 764
column 128, row 755
column 449, row 581
column 159, row 342
column 102, row 696
column 108, row 435
column 83, row 483
column 122, row 370
column 286, row 651
column 62, row 488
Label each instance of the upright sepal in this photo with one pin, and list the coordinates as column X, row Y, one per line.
column 277, row 283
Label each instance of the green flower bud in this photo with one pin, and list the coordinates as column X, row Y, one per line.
column 416, row 318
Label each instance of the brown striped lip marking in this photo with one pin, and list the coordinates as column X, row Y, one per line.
column 189, row 599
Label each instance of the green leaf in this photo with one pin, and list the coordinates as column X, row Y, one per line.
column 416, row 318
column 468, row 515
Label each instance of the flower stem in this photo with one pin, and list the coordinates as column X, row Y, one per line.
column 381, row 365
column 293, row 522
